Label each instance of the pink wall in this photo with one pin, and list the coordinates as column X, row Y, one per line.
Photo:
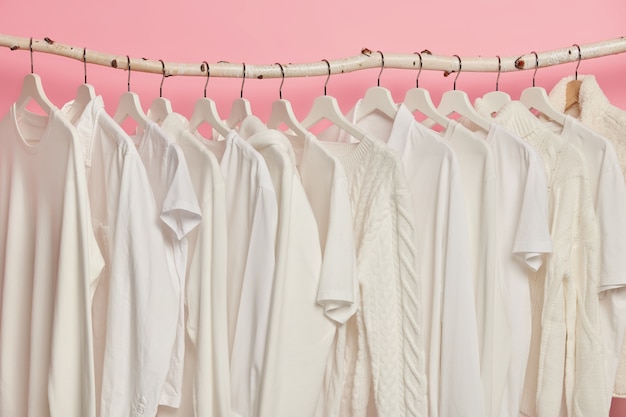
column 292, row 31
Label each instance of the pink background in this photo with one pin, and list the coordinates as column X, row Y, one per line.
column 291, row 31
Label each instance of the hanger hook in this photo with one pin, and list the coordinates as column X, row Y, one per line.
column 280, row 89
column 328, row 77
column 417, row 79
column 208, row 74
column 243, row 80
column 128, row 61
column 536, row 66
column 162, row 78
column 31, row 55
column 580, row 56
column 459, row 72
column 85, row 63
column 499, row 71
column 382, row 66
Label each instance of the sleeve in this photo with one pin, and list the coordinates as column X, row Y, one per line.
column 143, row 305
column 71, row 374
column 338, row 287
column 460, row 390
column 180, row 211
column 248, row 350
column 610, row 209
column 532, row 236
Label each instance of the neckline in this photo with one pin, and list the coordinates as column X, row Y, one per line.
column 35, row 119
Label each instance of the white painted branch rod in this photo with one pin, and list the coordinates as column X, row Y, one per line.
column 366, row 59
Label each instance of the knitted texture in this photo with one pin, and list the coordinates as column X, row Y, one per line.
column 383, row 340
column 566, row 357
column 595, row 110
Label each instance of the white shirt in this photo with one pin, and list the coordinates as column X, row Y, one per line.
column 252, row 217
column 523, row 235
column 609, row 196
column 300, row 335
column 180, row 213
column 479, row 188
column 444, row 261
column 206, row 380
column 49, row 264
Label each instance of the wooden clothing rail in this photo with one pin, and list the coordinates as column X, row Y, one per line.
column 366, row 59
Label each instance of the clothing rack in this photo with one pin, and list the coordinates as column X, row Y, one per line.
column 366, row 59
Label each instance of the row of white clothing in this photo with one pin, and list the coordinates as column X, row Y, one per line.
column 269, row 273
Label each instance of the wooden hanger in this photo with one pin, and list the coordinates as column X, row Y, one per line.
column 130, row 106
column 240, row 108
column 205, row 111
column 572, row 89
column 326, row 108
column 377, row 99
column 418, row 99
column 32, row 88
column 537, row 98
column 84, row 94
column 160, row 107
column 282, row 112
column 457, row 101
column 493, row 101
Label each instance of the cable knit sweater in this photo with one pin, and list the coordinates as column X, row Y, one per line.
column 566, row 358
column 595, row 111
column 382, row 343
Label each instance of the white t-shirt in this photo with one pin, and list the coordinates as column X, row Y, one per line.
column 523, row 236
column 326, row 186
column 49, row 264
column 206, row 379
column 609, row 196
column 252, row 217
column 180, row 213
column 479, row 186
column 300, row 335
column 444, row 261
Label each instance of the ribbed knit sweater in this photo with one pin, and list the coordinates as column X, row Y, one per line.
column 382, row 343
column 566, row 357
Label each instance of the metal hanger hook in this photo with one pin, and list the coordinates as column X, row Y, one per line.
column 208, row 74
column 162, row 78
column 536, row 66
column 382, row 66
column 580, row 56
column 328, row 77
column 417, row 79
column 459, row 72
column 128, row 61
column 280, row 89
column 30, row 46
column 243, row 80
column 499, row 71
column 85, row 63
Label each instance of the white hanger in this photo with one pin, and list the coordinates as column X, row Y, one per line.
column 205, row 110
column 160, row 107
column 493, row 101
column 130, row 106
column 282, row 112
column 418, row 99
column 572, row 89
column 33, row 89
column 377, row 99
column 537, row 98
column 84, row 94
column 326, row 108
column 240, row 108
column 457, row 101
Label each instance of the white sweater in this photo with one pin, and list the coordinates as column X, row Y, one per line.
column 567, row 362
column 389, row 360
